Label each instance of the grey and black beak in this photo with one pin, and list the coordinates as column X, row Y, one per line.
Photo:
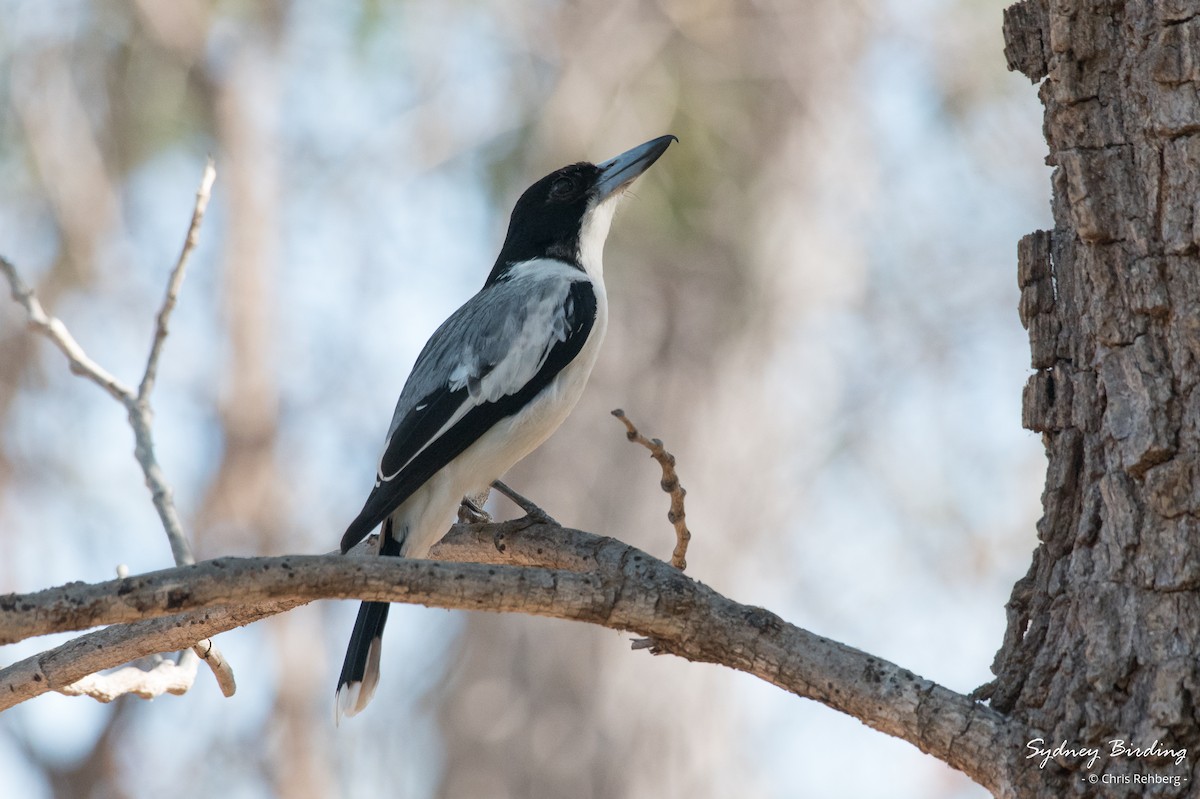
column 617, row 173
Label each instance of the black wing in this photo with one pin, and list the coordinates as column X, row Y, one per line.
column 411, row 457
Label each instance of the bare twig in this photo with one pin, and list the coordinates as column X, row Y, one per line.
column 670, row 484
column 141, row 416
column 53, row 329
column 207, row 651
column 140, row 420
column 176, row 282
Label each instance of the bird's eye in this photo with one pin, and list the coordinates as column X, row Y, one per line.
column 562, row 188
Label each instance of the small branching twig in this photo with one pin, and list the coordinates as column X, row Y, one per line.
column 670, row 484
column 137, row 406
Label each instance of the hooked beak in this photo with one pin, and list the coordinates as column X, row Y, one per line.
column 617, row 173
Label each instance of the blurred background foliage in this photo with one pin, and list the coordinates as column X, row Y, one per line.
column 813, row 302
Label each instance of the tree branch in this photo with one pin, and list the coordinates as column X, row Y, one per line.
column 624, row 589
column 58, row 669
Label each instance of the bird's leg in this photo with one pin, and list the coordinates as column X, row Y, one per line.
column 471, row 511
column 532, row 511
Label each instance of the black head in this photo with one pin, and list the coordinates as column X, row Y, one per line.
column 553, row 216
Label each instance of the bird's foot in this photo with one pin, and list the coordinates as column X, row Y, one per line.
column 532, row 511
column 655, row 646
column 471, row 512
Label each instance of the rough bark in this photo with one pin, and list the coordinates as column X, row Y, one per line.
column 1104, row 630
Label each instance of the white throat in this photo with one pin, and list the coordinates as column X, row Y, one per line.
column 593, row 234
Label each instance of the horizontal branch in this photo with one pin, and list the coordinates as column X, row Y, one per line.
column 625, row 589
column 60, row 668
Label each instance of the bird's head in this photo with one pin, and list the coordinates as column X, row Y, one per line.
column 566, row 214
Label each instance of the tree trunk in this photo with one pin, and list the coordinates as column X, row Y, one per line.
column 1104, row 631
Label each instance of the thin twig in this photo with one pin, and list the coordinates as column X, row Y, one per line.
column 207, row 651
column 141, row 416
column 670, row 484
column 176, row 282
column 140, row 419
column 53, row 329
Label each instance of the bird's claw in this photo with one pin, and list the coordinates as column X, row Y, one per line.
column 470, row 513
column 533, row 513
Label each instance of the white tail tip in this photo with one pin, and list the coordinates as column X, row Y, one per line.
column 352, row 697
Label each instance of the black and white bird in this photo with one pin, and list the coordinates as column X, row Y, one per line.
column 495, row 379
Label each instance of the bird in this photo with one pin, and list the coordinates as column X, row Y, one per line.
column 495, row 379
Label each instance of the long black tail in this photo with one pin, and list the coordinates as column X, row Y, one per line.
column 360, row 670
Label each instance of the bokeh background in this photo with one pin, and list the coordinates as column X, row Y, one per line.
column 813, row 302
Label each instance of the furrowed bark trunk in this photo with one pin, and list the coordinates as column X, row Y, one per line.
column 1103, row 642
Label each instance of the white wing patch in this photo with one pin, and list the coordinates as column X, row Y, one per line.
column 468, row 364
column 545, row 324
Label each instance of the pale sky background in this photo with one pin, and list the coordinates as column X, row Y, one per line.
column 892, row 381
